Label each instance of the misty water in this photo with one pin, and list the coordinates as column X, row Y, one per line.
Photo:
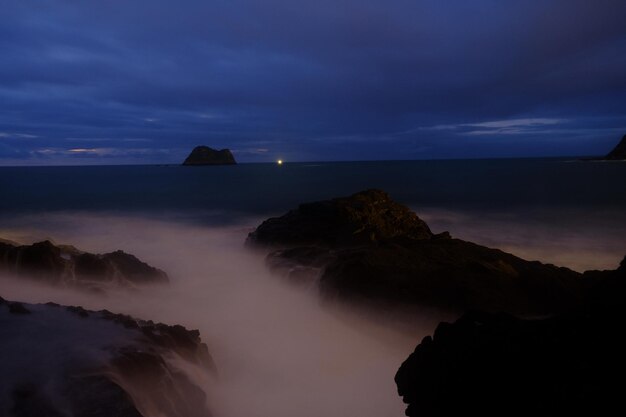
column 279, row 348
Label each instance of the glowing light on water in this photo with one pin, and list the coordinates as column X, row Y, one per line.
column 279, row 162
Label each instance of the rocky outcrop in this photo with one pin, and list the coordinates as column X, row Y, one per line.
column 606, row 287
column 59, row 361
column 364, row 218
column 66, row 265
column 451, row 274
column 367, row 247
column 203, row 155
column 496, row 364
column 619, row 152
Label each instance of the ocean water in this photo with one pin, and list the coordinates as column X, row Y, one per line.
column 555, row 210
column 279, row 349
column 495, row 184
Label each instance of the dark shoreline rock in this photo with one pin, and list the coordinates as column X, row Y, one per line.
column 203, row 155
column 366, row 247
column 496, row 364
column 132, row 372
column 453, row 275
column 66, row 265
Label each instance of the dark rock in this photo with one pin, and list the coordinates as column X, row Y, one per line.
column 496, row 364
column 171, row 391
column 300, row 264
column 203, row 155
column 606, row 287
column 90, row 396
column 41, row 261
column 126, row 371
column 367, row 247
column 66, row 265
column 28, row 401
column 81, row 312
column 178, row 396
column 186, row 343
column 132, row 269
column 99, row 396
column 619, row 152
column 450, row 274
column 92, row 267
column 125, row 320
column 363, row 218
column 176, row 338
column 18, row 308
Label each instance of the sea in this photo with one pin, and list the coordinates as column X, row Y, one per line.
column 269, row 188
column 280, row 349
column 553, row 209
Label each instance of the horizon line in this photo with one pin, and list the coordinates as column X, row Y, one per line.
column 588, row 158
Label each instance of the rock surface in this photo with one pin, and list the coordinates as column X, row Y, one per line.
column 619, row 152
column 66, row 265
column 367, row 217
column 367, row 247
column 203, row 155
column 58, row 361
column 496, row 364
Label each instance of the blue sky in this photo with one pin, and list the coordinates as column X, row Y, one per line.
column 140, row 81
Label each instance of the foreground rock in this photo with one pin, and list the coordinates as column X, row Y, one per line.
column 367, row 247
column 203, row 155
column 59, row 361
column 66, row 265
column 496, row 364
column 619, row 152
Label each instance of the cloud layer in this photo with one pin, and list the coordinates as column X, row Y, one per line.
column 145, row 81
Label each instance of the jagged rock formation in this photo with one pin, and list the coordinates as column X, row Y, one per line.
column 619, row 152
column 203, row 155
column 368, row 247
column 58, row 361
column 66, row 265
column 496, row 364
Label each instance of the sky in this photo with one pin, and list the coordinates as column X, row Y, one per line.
column 144, row 81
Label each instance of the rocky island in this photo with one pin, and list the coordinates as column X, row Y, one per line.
column 619, row 152
column 203, row 155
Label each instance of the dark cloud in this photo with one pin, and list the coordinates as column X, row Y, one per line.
column 341, row 79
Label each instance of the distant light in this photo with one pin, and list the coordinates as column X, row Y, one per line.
column 279, row 162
